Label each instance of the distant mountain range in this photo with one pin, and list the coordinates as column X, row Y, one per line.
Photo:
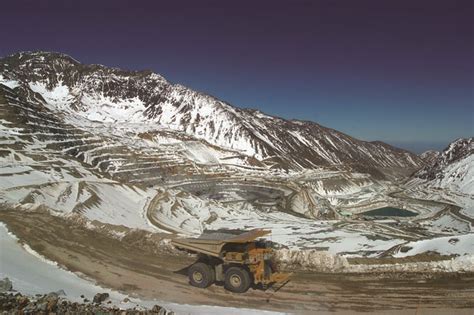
column 104, row 94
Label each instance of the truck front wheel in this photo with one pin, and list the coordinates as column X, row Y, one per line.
column 237, row 280
column 201, row 275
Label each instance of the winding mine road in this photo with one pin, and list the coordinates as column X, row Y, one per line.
column 137, row 265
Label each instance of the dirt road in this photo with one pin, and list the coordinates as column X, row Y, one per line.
column 138, row 266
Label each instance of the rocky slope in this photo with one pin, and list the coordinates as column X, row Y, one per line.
column 106, row 94
column 52, row 303
column 453, row 168
column 118, row 177
column 430, row 156
column 121, row 180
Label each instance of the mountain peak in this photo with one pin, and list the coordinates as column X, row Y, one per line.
column 41, row 56
column 439, row 164
column 453, row 168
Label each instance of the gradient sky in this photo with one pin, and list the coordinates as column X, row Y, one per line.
column 398, row 71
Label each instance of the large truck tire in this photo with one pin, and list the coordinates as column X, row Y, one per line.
column 201, row 275
column 237, row 280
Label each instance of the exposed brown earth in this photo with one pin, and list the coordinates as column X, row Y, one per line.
column 139, row 266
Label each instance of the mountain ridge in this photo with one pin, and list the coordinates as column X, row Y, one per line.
column 110, row 94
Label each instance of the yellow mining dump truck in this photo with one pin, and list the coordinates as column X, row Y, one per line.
column 237, row 260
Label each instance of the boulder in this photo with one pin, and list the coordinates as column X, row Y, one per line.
column 52, row 301
column 156, row 309
column 5, row 285
column 42, row 307
column 22, row 301
column 30, row 307
column 100, row 297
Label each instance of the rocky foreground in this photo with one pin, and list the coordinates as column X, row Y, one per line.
column 52, row 303
column 12, row 302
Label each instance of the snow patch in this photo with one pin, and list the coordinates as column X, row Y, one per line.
column 10, row 83
column 449, row 245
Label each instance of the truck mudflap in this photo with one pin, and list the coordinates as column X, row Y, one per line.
column 279, row 280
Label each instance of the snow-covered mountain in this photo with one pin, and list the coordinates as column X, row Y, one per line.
column 88, row 173
column 128, row 150
column 105, row 94
column 430, row 156
column 453, row 168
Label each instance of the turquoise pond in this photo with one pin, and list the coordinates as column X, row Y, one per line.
column 389, row 212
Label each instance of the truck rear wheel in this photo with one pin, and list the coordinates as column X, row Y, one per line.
column 237, row 280
column 201, row 275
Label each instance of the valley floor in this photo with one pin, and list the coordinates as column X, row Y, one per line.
column 135, row 265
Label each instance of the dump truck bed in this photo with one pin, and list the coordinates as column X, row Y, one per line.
column 211, row 244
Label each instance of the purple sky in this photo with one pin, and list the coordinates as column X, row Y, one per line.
column 397, row 71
